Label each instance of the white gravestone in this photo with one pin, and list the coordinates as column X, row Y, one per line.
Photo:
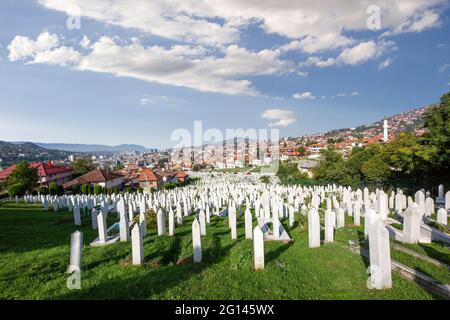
column 232, row 222
column 314, row 228
column 171, row 223
column 76, row 247
column 442, row 216
column 330, row 218
column 124, row 228
column 248, row 224
column 411, row 224
column 161, row 223
column 357, row 214
column 137, row 246
column 94, row 215
column 77, row 216
column 101, row 223
column 202, row 221
column 258, row 248
column 380, row 255
column 196, row 241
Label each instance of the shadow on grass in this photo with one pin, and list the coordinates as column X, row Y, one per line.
column 155, row 281
column 436, row 254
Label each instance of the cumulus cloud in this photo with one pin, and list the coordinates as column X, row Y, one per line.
column 206, row 55
column 304, row 95
column 355, row 55
column 282, row 117
column 45, row 49
column 317, row 24
column 180, row 65
column 418, row 22
column 365, row 51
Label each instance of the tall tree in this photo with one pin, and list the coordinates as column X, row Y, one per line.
column 24, row 179
column 82, row 166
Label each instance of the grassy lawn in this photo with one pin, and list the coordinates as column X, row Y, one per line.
column 34, row 255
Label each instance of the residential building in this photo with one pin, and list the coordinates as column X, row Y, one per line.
column 97, row 177
column 47, row 173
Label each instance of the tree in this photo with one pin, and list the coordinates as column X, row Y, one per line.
column 437, row 139
column 162, row 162
column 301, row 150
column 22, row 180
column 53, row 189
column 118, row 167
column 375, row 169
column 98, row 189
column 81, row 167
column 43, row 190
column 85, row 189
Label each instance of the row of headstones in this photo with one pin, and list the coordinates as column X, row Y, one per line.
column 329, row 221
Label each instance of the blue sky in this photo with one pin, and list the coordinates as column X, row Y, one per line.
column 148, row 69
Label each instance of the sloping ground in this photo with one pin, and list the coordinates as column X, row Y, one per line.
column 34, row 255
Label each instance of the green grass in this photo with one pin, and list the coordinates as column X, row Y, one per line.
column 34, row 255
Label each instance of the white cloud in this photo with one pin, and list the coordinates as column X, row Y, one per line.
column 312, row 44
column 85, row 42
column 304, row 95
column 319, row 62
column 45, row 49
column 386, row 63
column 282, row 117
column 351, row 94
column 180, row 65
column 318, row 25
column 356, row 55
column 365, row 51
column 418, row 22
column 23, row 47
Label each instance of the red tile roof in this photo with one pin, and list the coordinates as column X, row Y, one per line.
column 148, row 175
column 43, row 168
column 95, row 176
column 181, row 174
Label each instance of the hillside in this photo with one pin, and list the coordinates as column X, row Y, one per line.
column 93, row 148
column 14, row 152
column 409, row 121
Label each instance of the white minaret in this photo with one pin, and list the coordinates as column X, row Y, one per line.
column 385, row 132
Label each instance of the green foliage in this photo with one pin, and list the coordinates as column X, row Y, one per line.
column 81, row 167
column 162, row 162
column 301, row 150
column 118, row 167
column 43, row 190
column 85, row 189
column 22, row 180
column 98, row 189
column 288, row 173
column 53, row 189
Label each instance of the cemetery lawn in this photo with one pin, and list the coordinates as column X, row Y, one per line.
column 34, row 256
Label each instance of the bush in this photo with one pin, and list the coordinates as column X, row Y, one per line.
column 98, row 189
column 43, row 190
column 53, row 189
column 85, row 189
